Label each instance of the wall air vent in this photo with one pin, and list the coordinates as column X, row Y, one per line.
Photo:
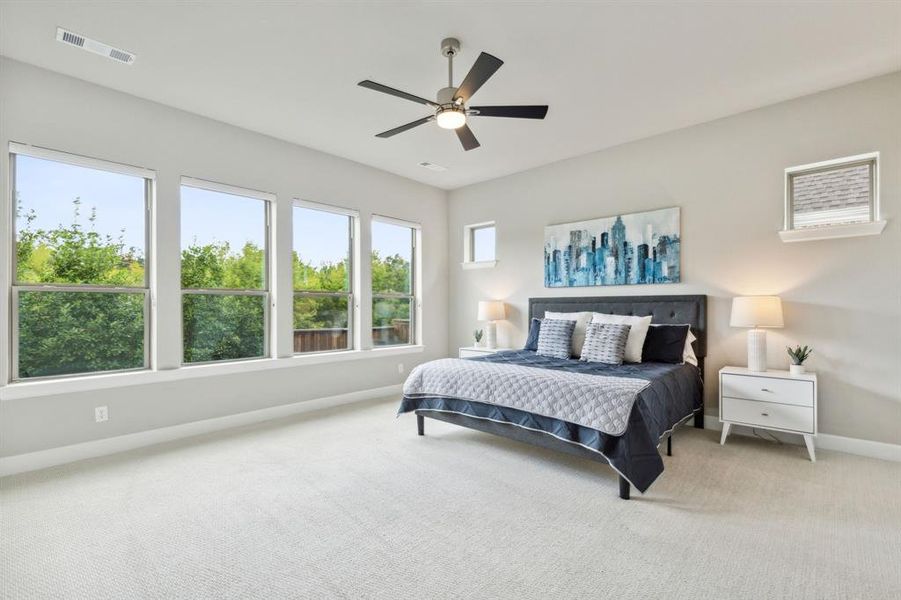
column 74, row 39
column 432, row 166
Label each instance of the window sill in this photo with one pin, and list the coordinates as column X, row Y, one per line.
column 829, row 232
column 30, row 389
column 479, row 264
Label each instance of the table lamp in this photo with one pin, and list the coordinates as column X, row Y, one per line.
column 491, row 311
column 756, row 312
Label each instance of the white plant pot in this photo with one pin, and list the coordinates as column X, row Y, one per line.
column 797, row 369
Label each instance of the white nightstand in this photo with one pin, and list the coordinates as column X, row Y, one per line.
column 770, row 400
column 472, row 351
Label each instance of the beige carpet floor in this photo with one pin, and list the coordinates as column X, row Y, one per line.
column 350, row 503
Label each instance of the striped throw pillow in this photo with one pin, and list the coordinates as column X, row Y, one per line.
column 555, row 337
column 605, row 343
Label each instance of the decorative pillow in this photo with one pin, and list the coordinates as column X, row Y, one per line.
column 555, row 337
column 688, row 355
column 605, row 343
column 637, row 333
column 582, row 319
column 532, row 340
column 665, row 344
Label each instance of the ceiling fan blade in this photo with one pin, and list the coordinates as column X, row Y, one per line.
column 403, row 128
column 515, row 112
column 484, row 67
column 467, row 138
column 393, row 92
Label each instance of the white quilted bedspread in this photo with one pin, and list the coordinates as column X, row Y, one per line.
column 596, row 401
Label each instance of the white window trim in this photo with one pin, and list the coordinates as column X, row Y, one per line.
column 468, row 248
column 100, row 381
column 81, row 161
column 270, row 325
column 338, row 210
column 872, row 227
column 479, row 264
column 11, row 370
column 829, row 232
column 394, row 221
column 224, row 188
column 355, row 321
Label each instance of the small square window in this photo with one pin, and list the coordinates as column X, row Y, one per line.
column 479, row 245
column 836, row 198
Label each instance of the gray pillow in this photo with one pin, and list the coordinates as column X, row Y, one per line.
column 555, row 337
column 605, row 343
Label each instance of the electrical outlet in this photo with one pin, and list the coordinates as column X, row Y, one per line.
column 101, row 414
column 400, row 368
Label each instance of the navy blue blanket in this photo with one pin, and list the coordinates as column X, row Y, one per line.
column 674, row 394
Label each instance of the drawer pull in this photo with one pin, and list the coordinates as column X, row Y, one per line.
column 769, row 391
column 764, row 414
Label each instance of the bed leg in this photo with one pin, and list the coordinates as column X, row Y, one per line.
column 669, row 445
column 699, row 418
column 624, row 488
column 420, row 424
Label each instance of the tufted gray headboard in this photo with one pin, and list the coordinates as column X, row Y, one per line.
column 675, row 310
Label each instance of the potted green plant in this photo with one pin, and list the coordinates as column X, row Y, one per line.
column 798, row 355
column 477, row 334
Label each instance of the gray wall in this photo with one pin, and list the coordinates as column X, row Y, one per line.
column 840, row 296
column 46, row 109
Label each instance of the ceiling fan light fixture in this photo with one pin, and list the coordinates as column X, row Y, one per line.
column 451, row 118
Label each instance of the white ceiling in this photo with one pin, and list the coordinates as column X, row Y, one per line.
column 611, row 72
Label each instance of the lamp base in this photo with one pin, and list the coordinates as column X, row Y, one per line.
column 491, row 335
column 757, row 350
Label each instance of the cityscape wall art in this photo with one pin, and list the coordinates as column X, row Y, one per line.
column 637, row 248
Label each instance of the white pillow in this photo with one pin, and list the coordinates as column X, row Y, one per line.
column 637, row 332
column 582, row 319
column 688, row 355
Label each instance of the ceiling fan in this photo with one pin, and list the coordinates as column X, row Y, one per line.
column 450, row 107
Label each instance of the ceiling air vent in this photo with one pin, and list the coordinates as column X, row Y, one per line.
column 432, row 166
column 74, row 39
column 71, row 38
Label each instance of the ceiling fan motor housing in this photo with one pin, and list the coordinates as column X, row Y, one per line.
column 446, row 95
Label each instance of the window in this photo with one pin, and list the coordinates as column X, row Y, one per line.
column 836, row 198
column 80, row 293
column 224, row 272
column 323, row 278
column 393, row 282
column 479, row 245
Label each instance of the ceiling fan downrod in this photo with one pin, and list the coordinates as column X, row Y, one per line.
column 450, row 47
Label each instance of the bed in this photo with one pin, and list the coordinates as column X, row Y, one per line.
column 618, row 415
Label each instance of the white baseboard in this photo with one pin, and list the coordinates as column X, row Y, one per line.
column 826, row 441
column 42, row 459
column 33, row 461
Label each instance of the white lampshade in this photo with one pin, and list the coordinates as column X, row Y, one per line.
column 756, row 311
column 491, row 310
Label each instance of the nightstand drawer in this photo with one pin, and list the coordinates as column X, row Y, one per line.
column 768, row 389
column 467, row 353
column 768, row 414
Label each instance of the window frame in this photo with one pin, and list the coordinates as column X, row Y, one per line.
column 266, row 292
column 873, row 226
column 469, row 248
column 353, row 218
column 149, row 177
column 414, row 296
